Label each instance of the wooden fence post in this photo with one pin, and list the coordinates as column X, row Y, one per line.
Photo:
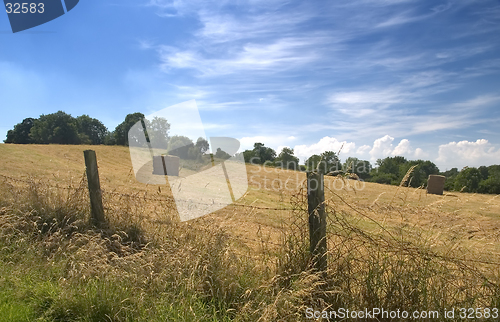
column 317, row 219
column 97, row 215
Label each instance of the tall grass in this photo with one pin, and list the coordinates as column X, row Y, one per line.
column 147, row 266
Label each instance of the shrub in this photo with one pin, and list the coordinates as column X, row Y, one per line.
column 490, row 185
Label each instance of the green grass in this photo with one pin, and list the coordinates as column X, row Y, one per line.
column 14, row 310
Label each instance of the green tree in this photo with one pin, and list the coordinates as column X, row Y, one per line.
column 468, row 178
column 361, row 168
column 222, row 154
column 492, row 169
column 453, row 172
column 420, row 173
column 312, row 162
column 121, row 131
column 180, row 146
column 330, row 162
column 21, row 132
column 390, row 165
column 250, row 157
column 202, row 145
column 450, row 175
column 90, row 130
column 58, row 128
column 484, row 172
column 287, row 160
column 389, row 169
column 157, row 131
column 490, row 185
column 263, row 153
column 109, row 138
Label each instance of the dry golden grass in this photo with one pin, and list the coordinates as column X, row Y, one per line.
column 390, row 247
column 471, row 218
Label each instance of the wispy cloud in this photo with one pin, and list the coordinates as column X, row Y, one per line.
column 366, row 68
column 410, row 16
column 283, row 54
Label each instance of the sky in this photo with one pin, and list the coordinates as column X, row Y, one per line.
column 368, row 78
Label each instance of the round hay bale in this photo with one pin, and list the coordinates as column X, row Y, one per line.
column 435, row 184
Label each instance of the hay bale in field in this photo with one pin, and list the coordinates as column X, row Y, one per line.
column 170, row 162
column 435, row 184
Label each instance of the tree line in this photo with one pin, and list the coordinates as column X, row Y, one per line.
column 62, row 128
column 390, row 170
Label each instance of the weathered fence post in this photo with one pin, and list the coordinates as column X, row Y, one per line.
column 97, row 215
column 317, row 219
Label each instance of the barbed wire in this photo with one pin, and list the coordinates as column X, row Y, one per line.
column 233, row 237
column 144, row 197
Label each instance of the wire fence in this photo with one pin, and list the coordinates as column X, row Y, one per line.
column 137, row 195
column 143, row 196
column 298, row 202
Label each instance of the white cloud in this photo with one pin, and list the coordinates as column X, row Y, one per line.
column 477, row 102
column 206, row 105
column 363, row 149
column 370, row 97
column 403, row 148
column 280, row 148
column 427, row 78
column 407, row 17
column 440, row 123
column 246, row 49
column 368, row 105
column 281, row 54
column 466, row 153
column 420, row 154
column 325, row 144
column 382, row 148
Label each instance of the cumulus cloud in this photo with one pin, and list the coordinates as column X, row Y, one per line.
column 363, row 149
column 383, row 147
column 325, row 144
column 420, row 154
column 403, row 148
column 466, row 153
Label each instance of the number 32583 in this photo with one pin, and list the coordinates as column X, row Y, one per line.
column 24, row 7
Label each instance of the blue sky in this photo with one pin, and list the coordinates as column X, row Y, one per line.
column 378, row 77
